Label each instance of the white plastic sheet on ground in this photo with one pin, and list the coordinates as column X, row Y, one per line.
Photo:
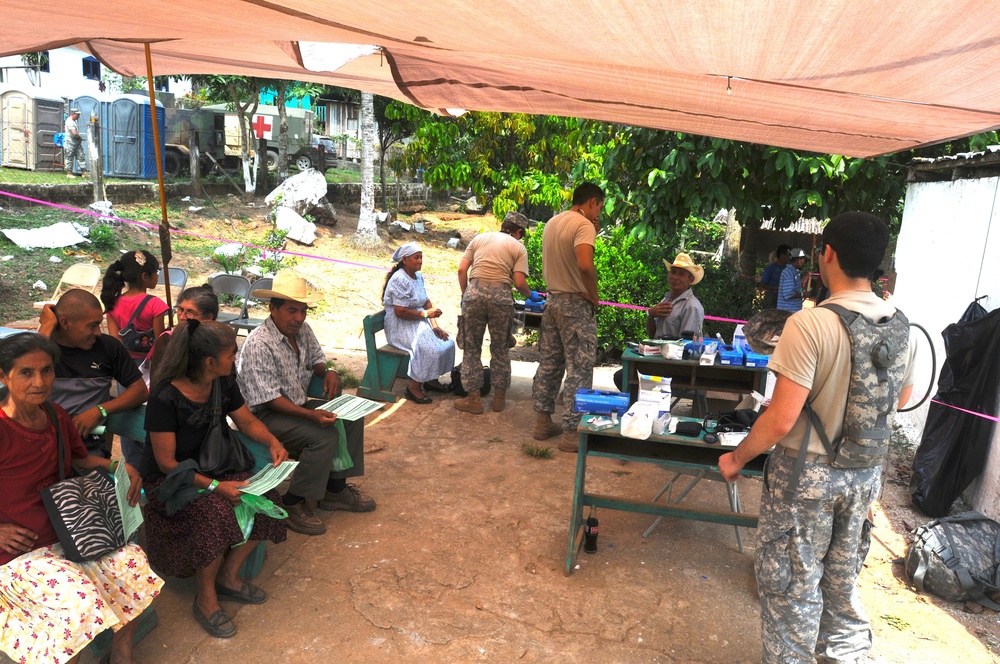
column 63, row 234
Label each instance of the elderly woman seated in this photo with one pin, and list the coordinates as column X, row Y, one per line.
column 196, row 303
column 408, row 324
column 52, row 608
column 196, row 536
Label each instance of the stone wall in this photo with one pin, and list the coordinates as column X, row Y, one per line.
column 410, row 193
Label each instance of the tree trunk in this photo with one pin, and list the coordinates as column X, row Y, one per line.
column 381, row 177
column 367, row 234
column 282, row 133
column 731, row 246
column 248, row 180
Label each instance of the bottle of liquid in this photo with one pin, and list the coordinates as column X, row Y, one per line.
column 590, row 535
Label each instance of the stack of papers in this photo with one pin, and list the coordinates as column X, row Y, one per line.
column 268, row 478
column 350, row 407
column 131, row 515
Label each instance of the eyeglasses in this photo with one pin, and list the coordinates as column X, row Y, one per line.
column 187, row 313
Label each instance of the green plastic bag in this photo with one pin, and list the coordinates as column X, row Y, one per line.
column 250, row 506
column 342, row 459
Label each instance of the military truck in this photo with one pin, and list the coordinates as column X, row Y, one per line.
column 210, row 125
column 264, row 124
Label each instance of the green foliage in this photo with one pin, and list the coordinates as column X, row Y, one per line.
column 102, row 236
column 536, row 451
column 270, row 259
column 234, row 264
column 510, row 160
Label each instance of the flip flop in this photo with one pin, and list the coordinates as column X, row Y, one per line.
column 219, row 624
column 248, row 594
column 415, row 399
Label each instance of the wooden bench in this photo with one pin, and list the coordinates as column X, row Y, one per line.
column 385, row 364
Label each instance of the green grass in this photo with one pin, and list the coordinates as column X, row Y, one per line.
column 19, row 176
column 537, row 451
column 341, row 175
column 895, row 621
column 495, row 439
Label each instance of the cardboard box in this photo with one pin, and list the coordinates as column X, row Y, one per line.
column 753, row 359
column 600, row 402
column 731, row 355
column 655, row 390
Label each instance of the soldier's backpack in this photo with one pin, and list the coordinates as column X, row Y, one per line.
column 878, row 362
column 956, row 558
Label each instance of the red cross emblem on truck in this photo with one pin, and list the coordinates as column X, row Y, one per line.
column 261, row 127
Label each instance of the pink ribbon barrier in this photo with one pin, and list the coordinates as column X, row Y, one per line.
column 970, row 412
column 141, row 224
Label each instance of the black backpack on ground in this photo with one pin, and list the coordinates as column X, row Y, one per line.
column 956, row 558
column 456, row 383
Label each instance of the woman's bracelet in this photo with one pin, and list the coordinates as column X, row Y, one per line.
column 112, row 468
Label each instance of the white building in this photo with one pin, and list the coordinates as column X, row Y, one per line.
column 68, row 72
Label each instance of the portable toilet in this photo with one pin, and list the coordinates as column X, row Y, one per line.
column 130, row 150
column 28, row 130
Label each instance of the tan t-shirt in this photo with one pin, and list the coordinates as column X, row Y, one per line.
column 560, row 238
column 815, row 352
column 496, row 257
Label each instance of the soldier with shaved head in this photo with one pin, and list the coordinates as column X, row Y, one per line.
column 89, row 362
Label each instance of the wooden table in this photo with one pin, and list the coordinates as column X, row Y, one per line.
column 690, row 375
column 681, row 454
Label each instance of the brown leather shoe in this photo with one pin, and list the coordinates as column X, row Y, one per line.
column 570, row 442
column 470, row 404
column 350, row 499
column 499, row 400
column 545, row 428
column 302, row 520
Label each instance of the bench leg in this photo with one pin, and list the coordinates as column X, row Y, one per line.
column 378, row 378
column 101, row 645
column 255, row 561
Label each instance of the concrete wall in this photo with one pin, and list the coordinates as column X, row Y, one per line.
column 945, row 258
column 350, row 193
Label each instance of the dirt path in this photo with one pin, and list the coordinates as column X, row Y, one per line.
column 463, row 559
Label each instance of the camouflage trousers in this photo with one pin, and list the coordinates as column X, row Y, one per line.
column 810, row 549
column 567, row 342
column 484, row 306
column 73, row 156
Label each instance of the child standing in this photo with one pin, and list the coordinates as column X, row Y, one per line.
column 125, row 299
column 123, row 293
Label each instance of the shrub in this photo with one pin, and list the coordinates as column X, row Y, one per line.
column 102, row 236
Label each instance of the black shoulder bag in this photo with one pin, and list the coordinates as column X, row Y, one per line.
column 222, row 453
column 136, row 341
column 83, row 510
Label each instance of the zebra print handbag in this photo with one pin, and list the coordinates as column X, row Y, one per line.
column 83, row 510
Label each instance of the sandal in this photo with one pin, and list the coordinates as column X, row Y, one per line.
column 219, row 624
column 414, row 398
column 248, row 594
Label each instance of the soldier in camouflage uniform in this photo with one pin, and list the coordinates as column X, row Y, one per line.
column 812, row 535
column 491, row 263
column 568, row 336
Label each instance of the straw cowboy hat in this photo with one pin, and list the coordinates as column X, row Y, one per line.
column 289, row 285
column 684, row 262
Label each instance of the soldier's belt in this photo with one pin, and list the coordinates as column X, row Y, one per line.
column 490, row 284
column 811, row 457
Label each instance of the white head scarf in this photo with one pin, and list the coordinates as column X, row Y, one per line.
column 405, row 250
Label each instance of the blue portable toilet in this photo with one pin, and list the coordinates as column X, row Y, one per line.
column 130, row 150
column 93, row 106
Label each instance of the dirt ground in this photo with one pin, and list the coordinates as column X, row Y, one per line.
column 463, row 560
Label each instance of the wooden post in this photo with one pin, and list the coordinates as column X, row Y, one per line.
column 96, row 159
column 321, row 161
column 262, row 185
column 397, row 192
column 195, row 155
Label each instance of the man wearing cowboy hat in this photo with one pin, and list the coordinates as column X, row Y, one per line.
column 679, row 311
column 276, row 364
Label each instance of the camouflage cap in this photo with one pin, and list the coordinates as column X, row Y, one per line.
column 517, row 219
column 764, row 328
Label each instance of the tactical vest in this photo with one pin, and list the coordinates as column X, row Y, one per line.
column 878, row 362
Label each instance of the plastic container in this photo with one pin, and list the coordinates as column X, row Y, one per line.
column 600, row 402
column 731, row 355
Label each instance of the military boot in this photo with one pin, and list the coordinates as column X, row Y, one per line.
column 545, row 428
column 570, row 441
column 499, row 400
column 470, row 404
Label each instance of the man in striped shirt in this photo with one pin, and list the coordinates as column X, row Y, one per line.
column 790, row 286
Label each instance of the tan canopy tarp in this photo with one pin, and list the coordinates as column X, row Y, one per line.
column 837, row 76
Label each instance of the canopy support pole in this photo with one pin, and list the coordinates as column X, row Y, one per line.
column 165, row 251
